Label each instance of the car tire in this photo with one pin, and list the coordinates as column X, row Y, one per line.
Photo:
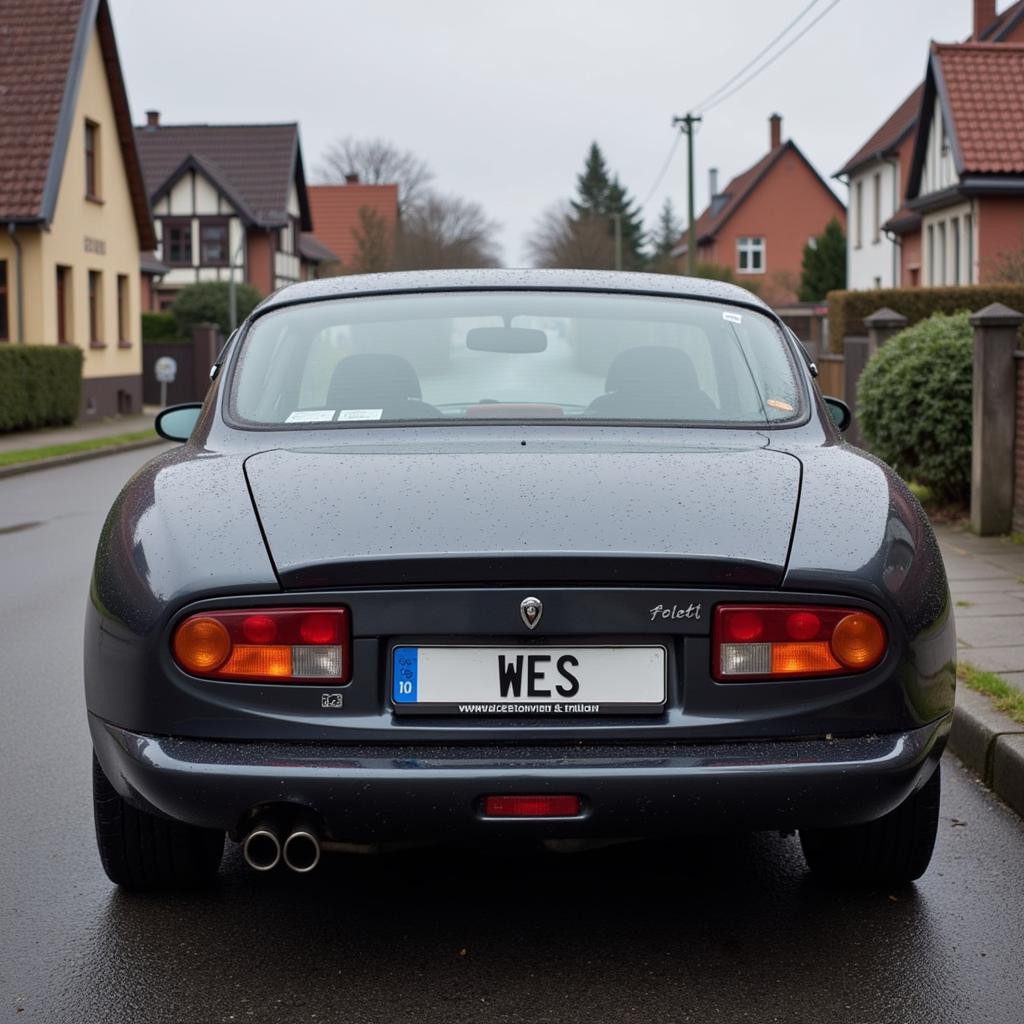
column 142, row 851
column 894, row 849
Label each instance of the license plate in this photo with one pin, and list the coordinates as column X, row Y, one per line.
column 528, row 680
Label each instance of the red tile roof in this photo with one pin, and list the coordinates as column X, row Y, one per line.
column 884, row 142
column 983, row 85
column 335, row 210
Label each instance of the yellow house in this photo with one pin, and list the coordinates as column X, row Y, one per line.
column 74, row 216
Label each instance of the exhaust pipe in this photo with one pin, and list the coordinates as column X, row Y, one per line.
column 302, row 850
column 262, row 849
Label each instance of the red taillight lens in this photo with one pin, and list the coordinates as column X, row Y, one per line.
column 278, row 645
column 791, row 641
column 531, row 806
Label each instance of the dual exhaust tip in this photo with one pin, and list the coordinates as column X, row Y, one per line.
column 264, row 849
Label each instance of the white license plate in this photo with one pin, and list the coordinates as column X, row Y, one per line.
column 528, row 680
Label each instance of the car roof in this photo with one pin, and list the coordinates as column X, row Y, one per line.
column 528, row 279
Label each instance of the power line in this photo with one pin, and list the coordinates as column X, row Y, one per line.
column 746, row 67
column 664, row 170
column 792, row 42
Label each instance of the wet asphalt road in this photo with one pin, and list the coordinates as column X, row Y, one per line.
column 723, row 930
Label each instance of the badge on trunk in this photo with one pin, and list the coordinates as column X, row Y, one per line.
column 531, row 610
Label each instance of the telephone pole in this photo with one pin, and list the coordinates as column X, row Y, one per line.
column 686, row 125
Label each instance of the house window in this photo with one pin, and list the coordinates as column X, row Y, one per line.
column 4, row 317
column 63, row 305
column 969, row 238
column 858, row 218
column 750, row 254
column 213, row 244
column 954, row 227
column 95, row 309
column 876, row 232
column 92, row 160
column 931, row 254
column 178, row 243
column 123, row 339
column 941, row 256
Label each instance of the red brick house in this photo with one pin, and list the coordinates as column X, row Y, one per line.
column 229, row 201
column 339, row 212
column 884, row 241
column 758, row 225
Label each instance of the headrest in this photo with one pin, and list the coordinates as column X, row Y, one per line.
column 370, row 380
column 652, row 367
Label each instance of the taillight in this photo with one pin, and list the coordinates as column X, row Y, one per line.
column 274, row 645
column 540, row 806
column 789, row 641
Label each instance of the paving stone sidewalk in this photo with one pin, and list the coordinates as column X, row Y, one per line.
column 986, row 578
column 109, row 426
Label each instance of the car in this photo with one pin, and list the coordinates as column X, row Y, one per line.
column 596, row 563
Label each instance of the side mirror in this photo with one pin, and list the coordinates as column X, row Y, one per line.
column 176, row 422
column 839, row 411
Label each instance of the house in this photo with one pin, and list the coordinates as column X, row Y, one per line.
column 357, row 222
column 73, row 211
column 230, row 202
column 884, row 240
column 966, row 177
column 758, row 225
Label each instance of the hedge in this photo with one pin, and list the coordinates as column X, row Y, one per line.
column 209, row 301
column 160, row 328
column 40, row 385
column 914, row 403
column 847, row 310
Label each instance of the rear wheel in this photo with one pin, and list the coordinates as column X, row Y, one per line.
column 142, row 851
column 895, row 849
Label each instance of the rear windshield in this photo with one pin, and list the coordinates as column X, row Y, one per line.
column 515, row 356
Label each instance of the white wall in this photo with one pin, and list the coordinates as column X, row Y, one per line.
column 939, row 172
column 872, row 260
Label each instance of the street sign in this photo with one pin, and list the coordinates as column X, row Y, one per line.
column 166, row 369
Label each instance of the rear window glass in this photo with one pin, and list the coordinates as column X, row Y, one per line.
column 514, row 356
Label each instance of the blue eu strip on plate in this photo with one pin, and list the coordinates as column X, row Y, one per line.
column 404, row 670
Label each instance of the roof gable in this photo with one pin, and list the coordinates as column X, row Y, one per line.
column 43, row 44
column 254, row 165
column 336, row 213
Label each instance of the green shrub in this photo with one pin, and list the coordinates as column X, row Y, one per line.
column 40, row 385
column 209, row 303
column 160, row 328
column 847, row 310
column 914, row 401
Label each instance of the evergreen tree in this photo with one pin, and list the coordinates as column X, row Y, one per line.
column 667, row 233
column 633, row 236
column 824, row 265
column 593, row 185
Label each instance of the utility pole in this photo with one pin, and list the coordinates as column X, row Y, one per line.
column 687, row 125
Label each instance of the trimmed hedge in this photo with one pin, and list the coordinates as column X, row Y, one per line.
column 914, row 404
column 40, row 385
column 160, row 328
column 847, row 310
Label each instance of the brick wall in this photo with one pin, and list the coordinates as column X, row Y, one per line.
column 1018, row 455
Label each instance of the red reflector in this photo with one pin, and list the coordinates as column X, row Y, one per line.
column 531, row 806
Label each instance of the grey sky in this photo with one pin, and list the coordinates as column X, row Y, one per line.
column 503, row 99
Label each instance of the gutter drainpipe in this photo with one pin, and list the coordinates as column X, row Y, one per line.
column 20, row 286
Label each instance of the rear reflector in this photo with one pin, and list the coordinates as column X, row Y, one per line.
column 277, row 645
column 531, row 806
column 751, row 642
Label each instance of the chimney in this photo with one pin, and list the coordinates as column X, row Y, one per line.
column 152, row 118
column 984, row 15
column 713, row 181
column 775, row 133
column 351, row 179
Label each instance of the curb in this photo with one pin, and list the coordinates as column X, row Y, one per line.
column 991, row 744
column 71, row 457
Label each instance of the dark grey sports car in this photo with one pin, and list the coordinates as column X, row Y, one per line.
column 514, row 555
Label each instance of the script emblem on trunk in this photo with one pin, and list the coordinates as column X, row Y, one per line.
column 531, row 610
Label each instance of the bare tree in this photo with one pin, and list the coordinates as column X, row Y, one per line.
column 1008, row 266
column 375, row 244
column 562, row 239
column 446, row 232
column 377, row 162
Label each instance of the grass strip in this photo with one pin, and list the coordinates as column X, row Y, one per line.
column 1005, row 697
column 51, row 450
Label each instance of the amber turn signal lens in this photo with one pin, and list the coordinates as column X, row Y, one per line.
column 858, row 640
column 201, row 644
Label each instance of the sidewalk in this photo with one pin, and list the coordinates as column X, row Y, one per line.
column 110, row 426
column 986, row 578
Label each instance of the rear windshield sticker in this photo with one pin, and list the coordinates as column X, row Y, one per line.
column 778, row 403
column 311, row 416
column 360, row 414
column 733, row 318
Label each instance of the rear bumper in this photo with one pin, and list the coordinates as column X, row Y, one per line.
column 382, row 793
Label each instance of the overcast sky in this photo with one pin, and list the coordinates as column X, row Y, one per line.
column 503, row 99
